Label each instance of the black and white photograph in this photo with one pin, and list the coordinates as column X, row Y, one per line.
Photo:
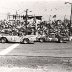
column 35, row 35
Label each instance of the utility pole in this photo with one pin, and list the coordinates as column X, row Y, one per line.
column 70, row 16
column 26, row 16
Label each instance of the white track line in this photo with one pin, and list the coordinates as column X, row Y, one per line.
column 5, row 51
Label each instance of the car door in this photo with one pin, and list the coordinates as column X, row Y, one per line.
column 33, row 37
column 9, row 38
column 16, row 38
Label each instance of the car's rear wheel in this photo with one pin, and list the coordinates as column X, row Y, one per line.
column 3, row 40
column 25, row 41
column 60, row 41
column 41, row 40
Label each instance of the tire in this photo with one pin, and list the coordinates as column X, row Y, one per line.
column 41, row 40
column 60, row 41
column 3, row 40
column 0, row 41
column 25, row 41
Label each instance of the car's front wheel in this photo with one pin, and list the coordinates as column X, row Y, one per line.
column 3, row 40
column 25, row 41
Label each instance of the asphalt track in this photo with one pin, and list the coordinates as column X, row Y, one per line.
column 37, row 49
column 38, row 57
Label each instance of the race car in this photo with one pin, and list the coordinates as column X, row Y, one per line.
column 15, row 38
column 52, row 37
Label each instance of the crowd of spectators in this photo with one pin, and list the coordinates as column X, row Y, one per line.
column 58, row 26
column 44, row 27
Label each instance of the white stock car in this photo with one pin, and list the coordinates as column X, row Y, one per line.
column 70, row 38
column 14, row 38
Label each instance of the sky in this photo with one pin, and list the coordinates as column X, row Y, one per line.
column 45, row 8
